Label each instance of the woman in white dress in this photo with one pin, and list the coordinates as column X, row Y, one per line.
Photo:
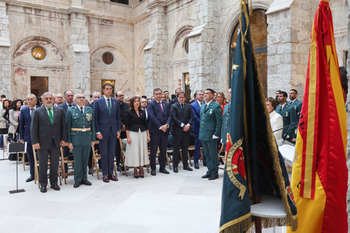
column 276, row 119
column 137, row 137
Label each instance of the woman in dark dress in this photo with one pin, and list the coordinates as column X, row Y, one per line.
column 137, row 137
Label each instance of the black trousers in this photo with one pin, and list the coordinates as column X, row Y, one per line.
column 43, row 160
column 161, row 140
column 181, row 141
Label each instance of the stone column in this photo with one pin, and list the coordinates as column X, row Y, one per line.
column 5, row 55
column 288, row 41
column 79, row 52
column 204, row 69
column 155, row 52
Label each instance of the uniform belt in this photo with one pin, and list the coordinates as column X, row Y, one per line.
column 80, row 129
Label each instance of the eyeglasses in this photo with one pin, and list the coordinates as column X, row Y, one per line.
column 120, row 95
column 81, row 97
column 30, row 100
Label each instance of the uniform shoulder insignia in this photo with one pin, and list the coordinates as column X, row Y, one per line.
column 87, row 107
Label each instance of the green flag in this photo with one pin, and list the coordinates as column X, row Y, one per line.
column 254, row 166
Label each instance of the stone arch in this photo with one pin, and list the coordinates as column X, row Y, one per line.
column 120, row 70
column 140, row 69
column 25, row 66
column 232, row 20
column 116, row 48
column 183, row 31
column 37, row 40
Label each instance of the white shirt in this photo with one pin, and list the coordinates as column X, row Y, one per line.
column 161, row 106
column 282, row 105
column 200, row 104
column 80, row 108
column 110, row 100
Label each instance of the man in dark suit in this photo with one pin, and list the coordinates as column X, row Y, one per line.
column 107, row 125
column 196, row 110
column 182, row 118
column 48, row 133
column 96, row 95
column 159, row 121
column 173, row 101
column 123, row 108
column 287, row 111
column 68, row 95
column 24, row 131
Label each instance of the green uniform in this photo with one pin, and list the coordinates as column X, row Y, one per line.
column 211, row 121
column 81, row 140
column 225, row 124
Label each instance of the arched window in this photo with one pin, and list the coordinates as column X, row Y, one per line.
column 258, row 29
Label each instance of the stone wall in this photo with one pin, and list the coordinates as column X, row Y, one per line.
column 5, row 57
column 79, row 60
column 288, row 46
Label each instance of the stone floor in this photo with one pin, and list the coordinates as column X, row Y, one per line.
column 181, row 203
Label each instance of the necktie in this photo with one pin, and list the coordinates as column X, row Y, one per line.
column 281, row 109
column 51, row 116
column 81, row 110
column 109, row 106
column 183, row 108
column 31, row 111
column 160, row 106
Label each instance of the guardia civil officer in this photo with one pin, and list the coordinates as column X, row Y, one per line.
column 81, row 136
column 209, row 133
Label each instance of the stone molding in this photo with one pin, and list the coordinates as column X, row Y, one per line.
column 197, row 31
column 79, row 48
column 149, row 45
column 279, row 5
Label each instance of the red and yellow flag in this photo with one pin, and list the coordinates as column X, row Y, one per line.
column 320, row 175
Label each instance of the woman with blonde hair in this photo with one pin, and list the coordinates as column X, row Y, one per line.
column 221, row 99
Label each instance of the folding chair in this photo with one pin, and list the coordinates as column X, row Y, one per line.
column 36, row 165
column 65, row 161
column 95, row 157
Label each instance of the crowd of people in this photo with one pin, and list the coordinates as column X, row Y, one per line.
column 148, row 125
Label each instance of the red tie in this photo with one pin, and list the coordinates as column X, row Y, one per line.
column 160, row 106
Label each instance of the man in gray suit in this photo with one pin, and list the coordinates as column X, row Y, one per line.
column 48, row 133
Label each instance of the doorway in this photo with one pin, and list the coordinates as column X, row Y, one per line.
column 39, row 85
column 107, row 81
column 187, row 87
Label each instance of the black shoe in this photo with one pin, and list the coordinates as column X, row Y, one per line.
column 205, row 164
column 196, row 166
column 119, row 168
column 214, row 177
column 188, row 168
column 163, row 170
column 55, row 187
column 76, row 185
column 90, row 171
column 136, row 176
column 31, row 178
column 86, row 182
column 153, row 172
column 176, row 170
column 143, row 176
column 206, row 176
column 43, row 189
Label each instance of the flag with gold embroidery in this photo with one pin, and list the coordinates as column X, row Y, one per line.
column 320, row 175
column 253, row 167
